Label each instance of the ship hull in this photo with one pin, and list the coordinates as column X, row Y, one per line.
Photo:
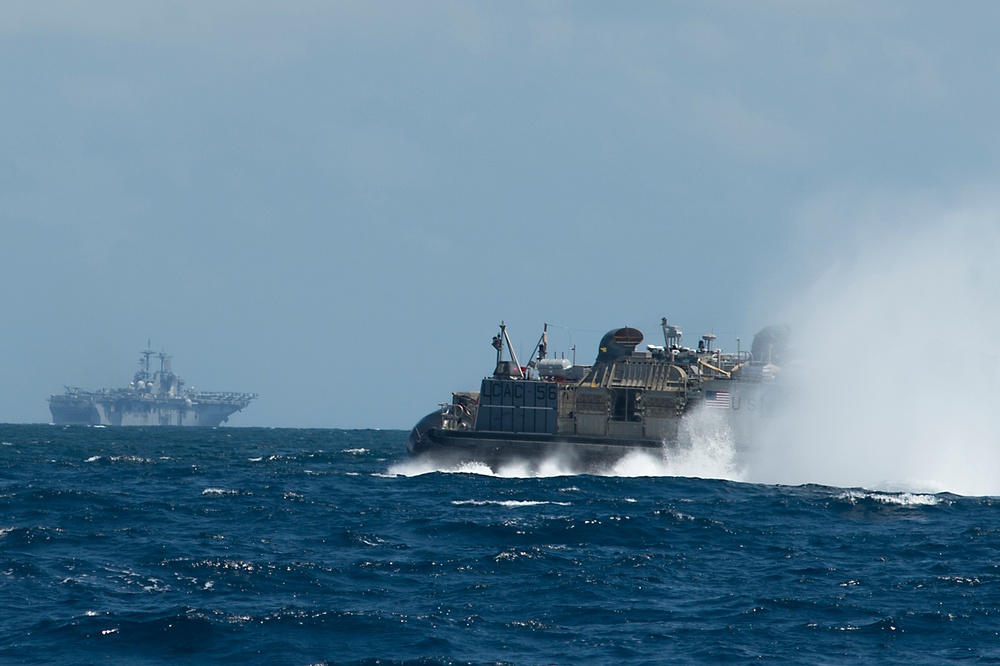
column 67, row 410
column 496, row 449
column 138, row 412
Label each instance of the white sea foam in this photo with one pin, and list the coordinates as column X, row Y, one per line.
column 131, row 459
column 899, row 499
column 552, row 466
column 506, row 503
column 413, row 467
column 219, row 492
column 469, row 468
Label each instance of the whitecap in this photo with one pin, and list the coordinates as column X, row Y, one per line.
column 898, row 499
column 219, row 492
column 130, row 458
column 506, row 503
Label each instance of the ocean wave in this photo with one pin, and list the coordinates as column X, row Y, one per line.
column 904, row 499
column 209, row 557
column 507, row 503
column 125, row 458
column 221, row 492
column 132, row 459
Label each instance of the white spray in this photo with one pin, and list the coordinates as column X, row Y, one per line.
column 899, row 386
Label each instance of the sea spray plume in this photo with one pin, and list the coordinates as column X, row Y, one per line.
column 705, row 449
column 898, row 386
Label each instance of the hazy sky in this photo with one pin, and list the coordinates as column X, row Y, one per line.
column 334, row 204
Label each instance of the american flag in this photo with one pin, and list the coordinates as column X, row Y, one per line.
column 718, row 399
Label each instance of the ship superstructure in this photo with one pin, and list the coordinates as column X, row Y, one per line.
column 152, row 398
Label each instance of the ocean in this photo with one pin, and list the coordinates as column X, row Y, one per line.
column 301, row 547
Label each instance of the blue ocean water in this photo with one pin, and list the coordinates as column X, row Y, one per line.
column 259, row 546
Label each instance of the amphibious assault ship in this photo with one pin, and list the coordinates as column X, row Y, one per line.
column 591, row 416
column 153, row 398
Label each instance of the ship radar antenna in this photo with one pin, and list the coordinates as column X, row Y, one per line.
column 144, row 362
column 671, row 334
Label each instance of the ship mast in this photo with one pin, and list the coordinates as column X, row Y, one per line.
column 144, row 373
column 541, row 347
column 500, row 341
